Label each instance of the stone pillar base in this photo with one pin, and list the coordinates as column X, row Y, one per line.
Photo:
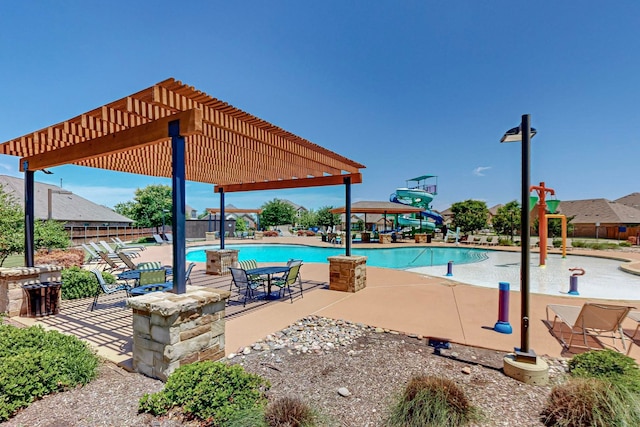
column 258, row 235
column 210, row 236
column 171, row 330
column 420, row 238
column 13, row 299
column 219, row 261
column 384, row 238
column 528, row 373
column 365, row 237
column 347, row 273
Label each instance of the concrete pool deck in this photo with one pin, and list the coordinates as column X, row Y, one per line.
column 393, row 300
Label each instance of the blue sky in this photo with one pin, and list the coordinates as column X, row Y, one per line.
column 406, row 88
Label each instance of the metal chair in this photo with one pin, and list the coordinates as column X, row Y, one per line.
column 291, row 278
column 107, row 288
column 245, row 286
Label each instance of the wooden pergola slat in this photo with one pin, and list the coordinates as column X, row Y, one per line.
column 233, row 147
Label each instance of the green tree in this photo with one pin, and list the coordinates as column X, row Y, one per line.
column 11, row 226
column 125, row 209
column 308, row 219
column 507, row 219
column 148, row 205
column 241, row 224
column 326, row 218
column 276, row 212
column 50, row 234
column 470, row 215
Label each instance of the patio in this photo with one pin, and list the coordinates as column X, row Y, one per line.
column 394, row 300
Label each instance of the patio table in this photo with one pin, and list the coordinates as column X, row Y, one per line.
column 269, row 272
column 135, row 274
column 155, row 287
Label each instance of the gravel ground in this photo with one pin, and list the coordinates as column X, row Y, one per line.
column 313, row 359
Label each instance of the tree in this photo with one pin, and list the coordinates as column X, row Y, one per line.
column 11, row 226
column 470, row 215
column 146, row 209
column 50, row 234
column 507, row 219
column 125, row 209
column 326, row 218
column 276, row 212
column 308, row 219
column 241, row 224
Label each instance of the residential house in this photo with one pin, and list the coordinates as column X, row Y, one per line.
column 602, row 218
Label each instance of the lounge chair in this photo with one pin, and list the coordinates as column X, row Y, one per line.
column 592, row 320
column 127, row 261
column 107, row 247
column 104, row 287
column 635, row 316
column 111, row 262
column 99, row 249
column 245, row 286
column 122, row 245
column 159, row 240
column 93, row 255
column 168, row 237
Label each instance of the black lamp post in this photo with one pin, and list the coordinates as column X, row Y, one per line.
column 524, row 133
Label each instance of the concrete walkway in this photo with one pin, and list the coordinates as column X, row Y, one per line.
column 394, row 300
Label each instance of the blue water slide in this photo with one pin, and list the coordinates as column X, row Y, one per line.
column 433, row 215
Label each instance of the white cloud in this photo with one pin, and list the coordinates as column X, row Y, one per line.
column 479, row 171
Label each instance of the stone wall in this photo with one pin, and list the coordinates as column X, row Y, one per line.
column 13, row 299
column 347, row 273
column 219, row 261
column 171, row 330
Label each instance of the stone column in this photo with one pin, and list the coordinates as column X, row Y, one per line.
column 420, row 238
column 347, row 273
column 384, row 238
column 219, row 261
column 13, row 299
column 210, row 236
column 171, row 330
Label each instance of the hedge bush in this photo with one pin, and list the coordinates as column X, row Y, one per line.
column 213, row 392
column 80, row 283
column 35, row 363
column 608, row 365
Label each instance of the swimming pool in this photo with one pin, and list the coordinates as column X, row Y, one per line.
column 479, row 267
column 398, row 258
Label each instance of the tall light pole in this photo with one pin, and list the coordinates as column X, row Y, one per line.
column 524, row 133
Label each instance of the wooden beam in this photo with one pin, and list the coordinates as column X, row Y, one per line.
column 321, row 181
column 135, row 137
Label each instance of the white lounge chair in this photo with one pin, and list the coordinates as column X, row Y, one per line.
column 592, row 320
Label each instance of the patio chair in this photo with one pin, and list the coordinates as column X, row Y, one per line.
column 592, row 320
column 635, row 316
column 169, row 237
column 93, row 256
column 107, row 288
column 159, row 240
column 98, row 249
column 127, row 261
column 245, row 286
column 122, row 245
column 291, row 278
column 107, row 247
column 112, row 265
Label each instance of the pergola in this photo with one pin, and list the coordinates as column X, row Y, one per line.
column 373, row 207
column 174, row 131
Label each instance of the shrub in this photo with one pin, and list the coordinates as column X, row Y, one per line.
column 209, row 391
column 64, row 257
column 591, row 402
column 309, row 233
column 290, row 412
column 35, row 363
column 579, row 243
column 625, row 244
column 432, row 401
column 79, row 283
column 505, row 242
column 270, row 233
column 608, row 365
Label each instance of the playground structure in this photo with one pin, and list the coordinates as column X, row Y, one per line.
column 543, row 206
column 419, row 195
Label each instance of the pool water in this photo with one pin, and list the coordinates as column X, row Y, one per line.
column 398, row 258
column 480, row 267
